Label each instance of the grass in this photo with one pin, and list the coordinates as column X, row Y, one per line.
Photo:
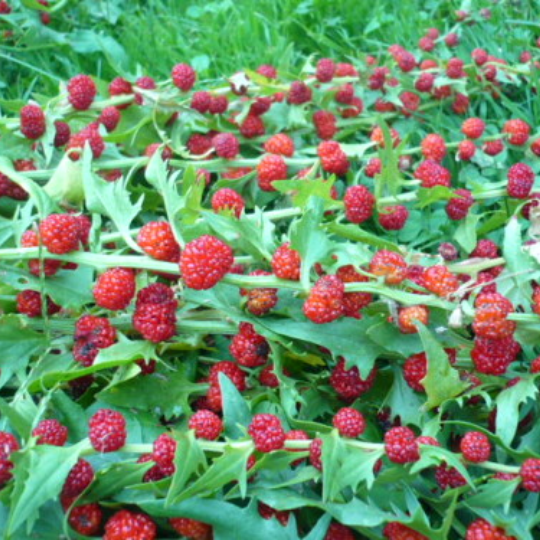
column 110, row 37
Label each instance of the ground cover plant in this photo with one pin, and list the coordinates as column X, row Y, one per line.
column 278, row 303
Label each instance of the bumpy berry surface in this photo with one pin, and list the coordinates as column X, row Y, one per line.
column 156, row 238
column 107, row 430
column 400, row 445
column 475, row 447
column 127, row 525
column 325, row 302
column 115, row 288
column 86, row 519
column 50, row 432
column 207, row 425
column 205, row 261
column 349, row 422
column 267, row 432
column 191, row 528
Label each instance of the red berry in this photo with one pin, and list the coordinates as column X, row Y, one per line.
column 164, row 450
column 200, row 101
column 454, row 68
column 359, row 203
column 439, row 280
column 480, row 56
column 260, row 300
column 353, row 302
column 267, row 432
column 110, row 118
column 29, row 303
column 107, row 430
column 425, row 82
column 390, row 265
column 207, row 425
column 492, row 148
column 475, row 447
column 377, row 136
column 205, row 261
column 461, row 104
column 530, row 475
column 348, row 383
column 458, row 207
column 535, row 147
column 115, row 288
column 409, row 316
column 486, row 249
column 299, row 93
column 249, row 348
column 126, row 525
column 184, row 77
column 226, row 145
column 397, row 531
column 268, row 71
column 414, row 370
column 91, row 334
column 337, row 531
column 271, row 168
column 280, row 144
column 81, row 92
column 51, row 432
column 434, row 147
column 267, row 377
column 473, row 128
column 191, row 528
column 252, row 126
column 90, row 135
column 229, row 200
column 333, row 159
column 400, row 445
column 32, row 121
column 86, row 519
column 199, row 144
column 493, row 356
column 449, row 477
column 393, row 218
column 60, row 233
column 8, row 445
column 156, row 238
column 325, row 70
column 78, row 479
column 520, row 180
column 315, row 453
column 155, row 313
column 518, row 131
column 325, row 301
column 426, row 44
column 218, row 105
column 325, row 124
column 481, row 529
column 432, row 174
column 267, row 512
column 286, row 263
column 231, row 370
column 373, row 167
column 349, row 422
column 451, row 39
column 466, row 150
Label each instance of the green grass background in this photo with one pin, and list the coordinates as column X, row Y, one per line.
column 128, row 37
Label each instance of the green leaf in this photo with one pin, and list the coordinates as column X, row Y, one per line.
column 346, row 337
column 111, row 199
column 188, row 459
column 113, row 479
column 333, row 452
column 236, row 413
column 303, row 190
column 17, row 344
column 508, row 402
column 309, row 239
column 66, row 183
column 428, row 196
column 404, row 401
column 355, row 233
column 39, row 475
column 466, row 234
column 442, row 381
column 494, row 493
column 231, row 466
column 167, row 393
column 515, row 280
column 229, row 521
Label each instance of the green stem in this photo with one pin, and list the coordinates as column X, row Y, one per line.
column 497, row 467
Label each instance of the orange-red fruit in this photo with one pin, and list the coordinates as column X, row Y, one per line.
column 325, row 301
column 434, row 147
column 205, row 261
column 191, row 528
column 115, row 288
column 353, row 302
column 390, row 265
column 271, row 168
column 156, row 238
column 518, row 131
column 286, row 263
column 481, row 529
column 440, row 281
column 359, row 203
column 229, row 200
column 60, row 233
column 280, row 144
column 473, row 128
column 409, row 316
